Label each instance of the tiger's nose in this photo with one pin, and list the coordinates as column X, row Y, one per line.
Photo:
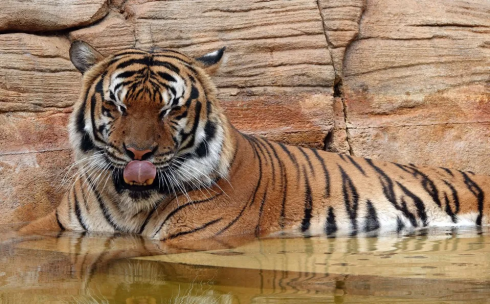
column 139, row 154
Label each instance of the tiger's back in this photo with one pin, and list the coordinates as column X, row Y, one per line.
column 158, row 157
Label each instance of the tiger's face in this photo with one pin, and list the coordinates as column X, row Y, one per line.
column 149, row 122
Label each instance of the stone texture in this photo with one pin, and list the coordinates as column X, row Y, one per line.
column 309, row 117
column 399, row 80
column 276, row 57
column 36, row 73
column 49, row 15
column 34, row 155
column 276, row 80
column 341, row 24
column 38, row 84
column 416, row 83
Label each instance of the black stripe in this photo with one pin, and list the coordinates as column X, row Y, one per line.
column 478, row 193
column 389, row 193
column 325, row 172
column 147, row 219
column 185, row 136
column 351, row 197
column 166, row 64
column 386, row 183
column 330, row 225
column 284, row 184
column 452, row 213
column 305, row 223
column 167, row 77
column 356, row 164
column 254, row 148
column 252, row 197
column 431, row 188
column 102, row 206
column 210, row 132
column 428, row 185
column 261, row 147
column 58, row 221
column 399, row 225
column 234, row 220
column 293, row 160
column 78, row 211
column 145, row 60
column 307, row 158
column 409, row 215
column 372, row 222
column 86, row 143
column 173, row 236
column 403, row 167
column 418, row 204
column 122, row 83
column 194, row 93
column 261, row 209
column 171, row 214
column 128, row 74
column 98, row 90
column 448, row 171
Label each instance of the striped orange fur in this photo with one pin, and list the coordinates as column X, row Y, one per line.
column 159, row 110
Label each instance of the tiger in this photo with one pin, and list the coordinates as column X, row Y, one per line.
column 158, row 157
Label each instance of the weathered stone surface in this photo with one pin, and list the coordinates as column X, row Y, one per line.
column 30, row 184
column 112, row 34
column 341, row 24
column 34, row 154
column 36, row 73
column 307, row 124
column 336, row 141
column 276, row 56
column 398, row 80
column 49, row 15
column 416, row 83
column 276, row 80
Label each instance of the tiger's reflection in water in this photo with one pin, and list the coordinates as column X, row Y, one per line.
column 98, row 268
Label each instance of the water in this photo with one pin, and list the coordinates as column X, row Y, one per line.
column 434, row 266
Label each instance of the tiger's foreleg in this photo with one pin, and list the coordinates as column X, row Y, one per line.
column 49, row 222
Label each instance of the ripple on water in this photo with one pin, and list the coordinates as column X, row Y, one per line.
column 426, row 266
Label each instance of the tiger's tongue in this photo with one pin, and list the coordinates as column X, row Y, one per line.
column 139, row 172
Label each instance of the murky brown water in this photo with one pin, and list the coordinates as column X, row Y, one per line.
column 444, row 266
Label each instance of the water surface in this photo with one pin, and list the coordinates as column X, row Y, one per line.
column 429, row 266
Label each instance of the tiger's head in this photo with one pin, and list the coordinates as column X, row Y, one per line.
column 149, row 120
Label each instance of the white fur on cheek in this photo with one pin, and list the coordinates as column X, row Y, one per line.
column 203, row 169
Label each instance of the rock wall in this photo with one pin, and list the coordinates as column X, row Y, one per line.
column 400, row 80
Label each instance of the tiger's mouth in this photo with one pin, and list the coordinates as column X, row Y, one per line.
column 137, row 176
column 139, row 173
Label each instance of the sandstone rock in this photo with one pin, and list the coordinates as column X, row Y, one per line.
column 50, row 15
column 34, row 154
column 415, row 83
column 273, row 49
column 112, row 34
column 36, row 73
column 38, row 84
column 397, row 80
column 307, row 124
column 341, row 23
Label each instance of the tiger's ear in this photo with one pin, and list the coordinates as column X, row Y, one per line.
column 83, row 56
column 210, row 61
